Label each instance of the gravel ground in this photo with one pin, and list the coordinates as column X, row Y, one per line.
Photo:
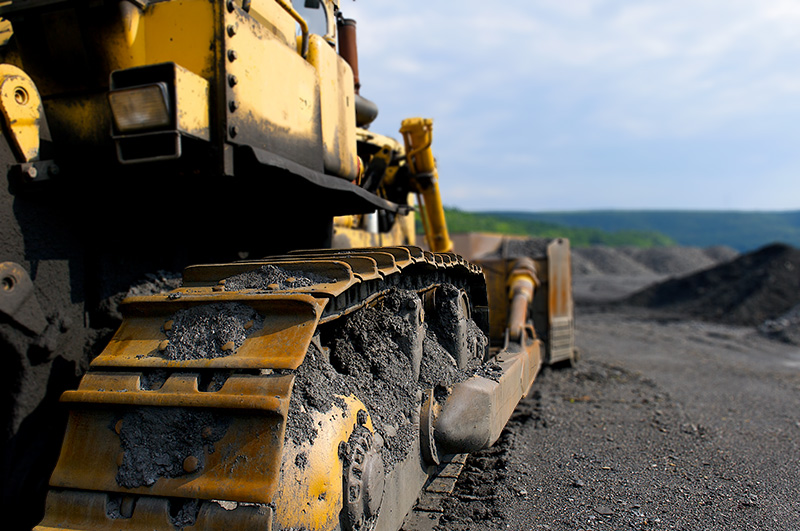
column 664, row 425
column 667, row 423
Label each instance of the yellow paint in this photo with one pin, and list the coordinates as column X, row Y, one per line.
column 418, row 136
column 277, row 90
column 337, row 108
column 274, row 18
column 191, row 93
column 130, row 15
column 311, row 496
column 349, row 234
column 180, row 31
column 21, row 107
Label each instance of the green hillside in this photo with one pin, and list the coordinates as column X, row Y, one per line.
column 460, row 221
column 741, row 230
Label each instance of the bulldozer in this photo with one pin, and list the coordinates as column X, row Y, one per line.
column 312, row 367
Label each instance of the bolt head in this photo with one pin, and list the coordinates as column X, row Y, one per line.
column 191, row 464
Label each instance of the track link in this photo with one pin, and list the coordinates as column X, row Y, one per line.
column 165, row 436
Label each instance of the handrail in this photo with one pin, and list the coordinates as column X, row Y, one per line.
column 303, row 25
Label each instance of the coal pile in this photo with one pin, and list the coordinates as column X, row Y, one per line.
column 784, row 328
column 599, row 260
column 637, row 261
column 756, row 287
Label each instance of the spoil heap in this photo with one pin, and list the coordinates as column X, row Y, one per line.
column 623, row 261
column 755, row 287
column 637, row 261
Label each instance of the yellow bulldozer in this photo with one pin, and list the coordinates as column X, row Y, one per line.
column 312, row 368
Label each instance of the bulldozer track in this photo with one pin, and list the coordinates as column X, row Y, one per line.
column 429, row 508
column 231, row 400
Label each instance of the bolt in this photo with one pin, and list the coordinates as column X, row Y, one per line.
column 31, row 172
column 163, row 345
column 231, row 30
column 361, row 417
column 218, row 287
column 272, row 286
column 190, row 464
column 207, row 432
column 233, row 105
column 232, row 80
column 248, row 325
column 230, row 345
column 232, row 55
column 8, row 283
column 21, row 96
column 230, row 6
column 53, row 170
column 168, row 325
column 118, row 426
column 234, row 130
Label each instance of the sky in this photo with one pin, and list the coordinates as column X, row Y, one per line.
column 551, row 105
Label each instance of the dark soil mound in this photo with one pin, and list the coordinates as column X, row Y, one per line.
column 755, row 287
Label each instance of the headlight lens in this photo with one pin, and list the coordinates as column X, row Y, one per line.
column 140, row 108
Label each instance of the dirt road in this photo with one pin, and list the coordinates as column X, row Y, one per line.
column 666, row 424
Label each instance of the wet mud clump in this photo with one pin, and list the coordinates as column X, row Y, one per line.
column 165, row 443
column 273, row 277
column 367, row 355
column 210, row 331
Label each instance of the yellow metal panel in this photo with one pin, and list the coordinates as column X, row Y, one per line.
column 21, row 109
column 310, row 496
column 181, row 31
column 5, row 31
column 274, row 18
column 337, row 108
column 276, row 90
column 351, row 236
column 290, row 321
column 191, row 93
column 246, row 470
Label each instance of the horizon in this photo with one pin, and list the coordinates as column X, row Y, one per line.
column 594, row 104
column 648, row 210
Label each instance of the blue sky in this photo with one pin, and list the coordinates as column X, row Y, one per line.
column 594, row 104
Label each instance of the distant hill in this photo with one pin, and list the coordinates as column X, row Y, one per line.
column 743, row 231
column 504, row 223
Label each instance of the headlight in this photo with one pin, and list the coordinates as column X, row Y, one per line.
column 140, row 108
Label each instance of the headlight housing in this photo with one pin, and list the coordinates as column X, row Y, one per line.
column 142, row 108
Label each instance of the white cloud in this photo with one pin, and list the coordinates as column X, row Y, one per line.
column 546, row 79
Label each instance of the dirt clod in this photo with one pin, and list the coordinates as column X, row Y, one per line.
column 157, row 442
column 363, row 355
column 271, row 277
column 210, row 331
